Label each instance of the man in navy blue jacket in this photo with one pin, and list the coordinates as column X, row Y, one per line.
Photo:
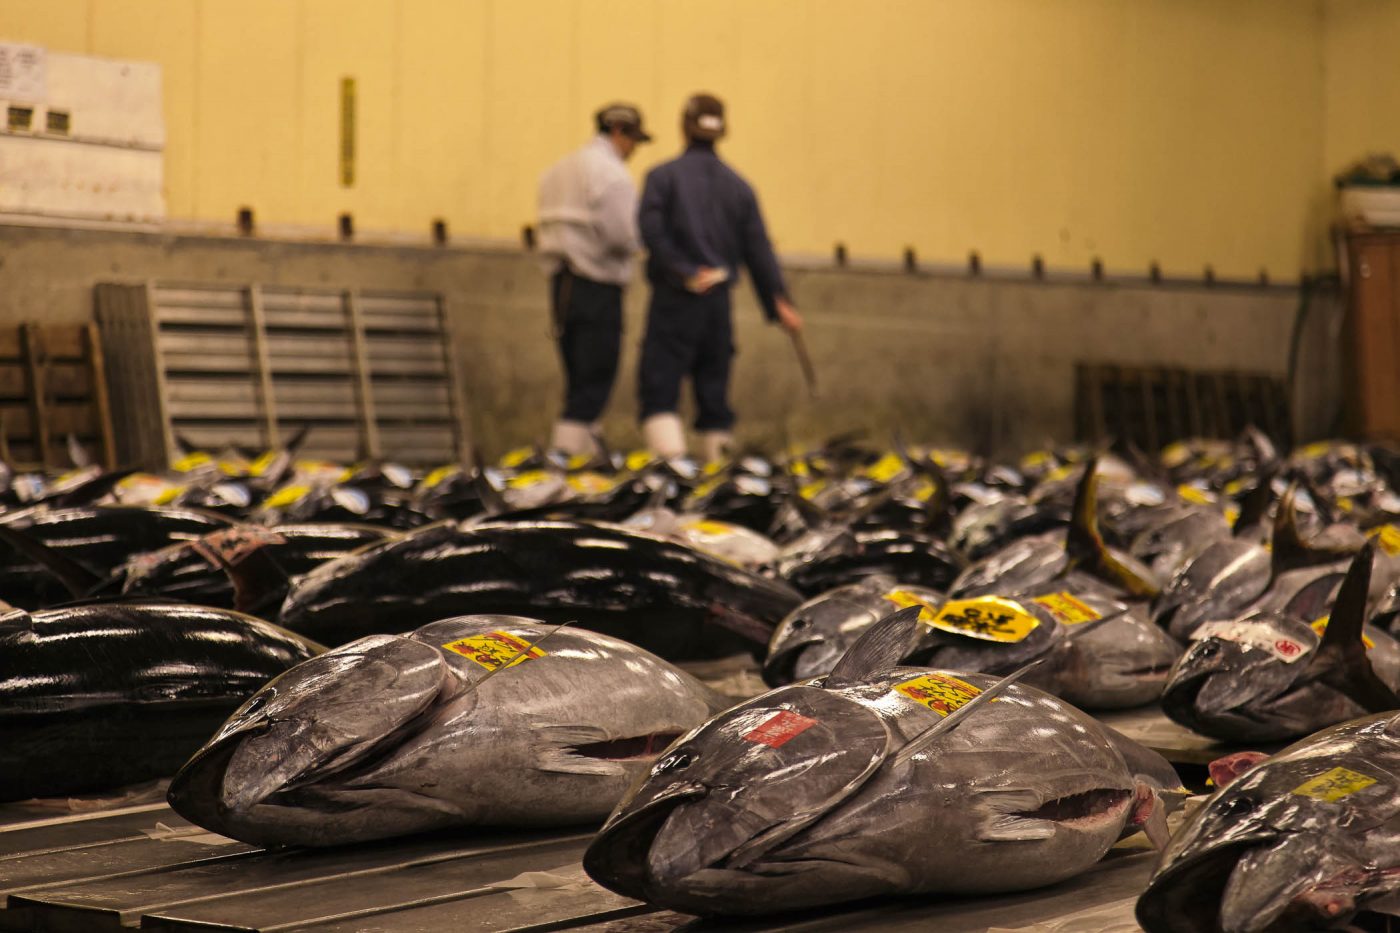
column 699, row 221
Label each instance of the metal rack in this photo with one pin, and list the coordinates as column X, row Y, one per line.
column 372, row 373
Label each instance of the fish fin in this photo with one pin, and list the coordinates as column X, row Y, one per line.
column 90, row 491
column 295, row 442
column 1010, row 828
column 556, row 753
column 76, row 578
column 1341, row 656
column 490, row 496
column 880, row 647
column 957, row 716
column 937, row 505
column 78, row 453
column 1149, row 815
column 1254, row 506
column 15, row 620
column 1265, row 453
column 1085, row 546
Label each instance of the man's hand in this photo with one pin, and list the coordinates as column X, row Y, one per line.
column 705, row 278
column 788, row 318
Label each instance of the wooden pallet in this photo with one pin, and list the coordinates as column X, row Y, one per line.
column 53, row 384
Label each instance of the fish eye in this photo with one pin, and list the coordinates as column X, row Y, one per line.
column 1208, row 649
column 1239, row 806
column 801, row 622
column 256, row 703
column 673, row 762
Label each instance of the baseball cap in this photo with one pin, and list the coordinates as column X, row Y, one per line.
column 626, row 118
column 704, row 117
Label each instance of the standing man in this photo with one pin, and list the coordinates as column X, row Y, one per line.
column 588, row 236
column 699, row 221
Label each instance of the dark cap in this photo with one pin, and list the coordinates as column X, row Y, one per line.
column 704, row 117
column 625, row 117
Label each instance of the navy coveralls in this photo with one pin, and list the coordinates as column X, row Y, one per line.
column 696, row 211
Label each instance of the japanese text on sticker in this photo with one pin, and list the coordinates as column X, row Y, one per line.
column 1068, row 610
column 495, row 649
column 939, row 692
column 1334, row 785
column 990, row 618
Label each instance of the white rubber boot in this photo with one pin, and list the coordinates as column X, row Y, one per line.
column 664, row 435
column 715, row 445
column 572, row 437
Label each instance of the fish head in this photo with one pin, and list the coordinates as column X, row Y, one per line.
column 732, row 789
column 317, row 719
column 1230, row 666
column 813, row 637
column 1279, row 848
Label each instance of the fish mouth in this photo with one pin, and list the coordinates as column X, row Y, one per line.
column 617, row 856
column 1087, row 811
column 1185, row 897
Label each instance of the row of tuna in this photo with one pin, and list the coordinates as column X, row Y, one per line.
column 926, row 621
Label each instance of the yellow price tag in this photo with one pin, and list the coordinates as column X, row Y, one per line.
column 495, row 649
column 1066, row 608
column 1320, row 626
column 906, row 600
column 990, row 618
column 810, row 490
column 925, row 490
column 1175, row 454
column 516, row 457
column 591, row 484
column 286, row 496
column 259, row 466
column 1317, row 449
column 527, row 479
column 886, row 468
column 939, row 692
column 191, row 462
column 1388, row 537
column 441, row 473
column 639, row 460
column 710, row 527
column 1195, row 496
column 578, row 461
column 1035, row 460
column 1333, row 785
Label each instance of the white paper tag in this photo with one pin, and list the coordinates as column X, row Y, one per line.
column 1259, row 635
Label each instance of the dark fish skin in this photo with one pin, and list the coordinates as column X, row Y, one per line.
column 668, row 598
column 1302, row 841
column 183, row 571
column 104, row 694
column 910, row 557
column 100, row 538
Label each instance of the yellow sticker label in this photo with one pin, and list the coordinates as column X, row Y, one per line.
column 925, row 490
column 939, row 692
column 810, row 490
column 591, row 484
column 1067, row 609
column 578, row 461
column 1234, row 487
column 1035, row 460
column 639, row 460
column 516, row 457
column 1388, row 537
column 1193, row 495
column 440, row 474
column 990, row 618
column 1320, row 626
column 712, row 467
column 528, row 478
column 260, row 466
column 710, row 527
column 1232, row 515
column 234, row 468
column 707, row 487
column 495, row 649
column 191, row 462
column 799, row 468
column 1334, row 785
column 907, row 600
column 886, row 468
column 1346, row 504
column 1317, row 449
column 286, row 496
column 1175, row 454
column 1059, row 473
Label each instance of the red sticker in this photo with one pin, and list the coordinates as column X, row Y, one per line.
column 780, row 728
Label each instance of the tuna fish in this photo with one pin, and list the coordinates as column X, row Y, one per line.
column 1305, row 840
column 877, row 780
column 99, row 695
column 1271, row 677
column 492, row 720
column 662, row 595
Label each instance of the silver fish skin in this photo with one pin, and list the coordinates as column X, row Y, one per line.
column 1238, row 692
column 1168, row 546
column 798, row 798
column 1303, row 840
column 1020, row 567
column 1220, row 583
column 814, row 636
column 394, row 734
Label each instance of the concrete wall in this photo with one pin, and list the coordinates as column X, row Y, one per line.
column 981, row 362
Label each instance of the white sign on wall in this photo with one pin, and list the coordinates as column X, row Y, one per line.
column 23, row 72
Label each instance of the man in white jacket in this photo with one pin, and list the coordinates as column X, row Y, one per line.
column 588, row 237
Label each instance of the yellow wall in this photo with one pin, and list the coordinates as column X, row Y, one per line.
column 1362, row 82
column 1181, row 131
